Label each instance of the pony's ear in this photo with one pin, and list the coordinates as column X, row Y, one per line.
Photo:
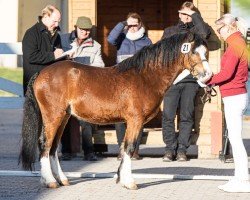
column 190, row 37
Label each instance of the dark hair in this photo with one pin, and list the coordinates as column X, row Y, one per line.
column 190, row 5
column 136, row 16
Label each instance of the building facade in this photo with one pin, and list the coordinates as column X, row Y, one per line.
column 156, row 14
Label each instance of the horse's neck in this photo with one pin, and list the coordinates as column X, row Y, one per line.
column 164, row 77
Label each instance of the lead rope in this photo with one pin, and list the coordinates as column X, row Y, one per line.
column 209, row 93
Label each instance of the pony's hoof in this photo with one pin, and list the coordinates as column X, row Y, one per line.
column 131, row 186
column 65, row 183
column 52, row 185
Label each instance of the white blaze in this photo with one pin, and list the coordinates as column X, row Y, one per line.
column 201, row 50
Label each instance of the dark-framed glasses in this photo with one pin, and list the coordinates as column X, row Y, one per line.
column 219, row 29
column 184, row 14
column 134, row 25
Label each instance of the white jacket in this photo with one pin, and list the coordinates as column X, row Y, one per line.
column 89, row 53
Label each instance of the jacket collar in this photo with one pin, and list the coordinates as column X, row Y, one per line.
column 186, row 26
column 233, row 37
column 87, row 43
column 72, row 36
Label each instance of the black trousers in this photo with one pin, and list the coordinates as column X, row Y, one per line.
column 87, row 134
column 180, row 96
column 66, row 139
column 120, row 133
column 87, row 144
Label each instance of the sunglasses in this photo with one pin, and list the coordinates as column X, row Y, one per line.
column 184, row 14
column 135, row 25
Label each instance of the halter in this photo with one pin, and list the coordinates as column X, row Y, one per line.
column 209, row 91
column 192, row 67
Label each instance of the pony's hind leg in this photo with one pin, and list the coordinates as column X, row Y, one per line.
column 124, row 171
column 55, row 164
column 57, row 170
column 47, row 177
column 51, row 122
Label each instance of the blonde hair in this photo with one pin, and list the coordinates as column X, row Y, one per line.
column 235, row 22
column 48, row 10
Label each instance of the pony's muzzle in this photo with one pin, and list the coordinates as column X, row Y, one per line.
column 206, row 74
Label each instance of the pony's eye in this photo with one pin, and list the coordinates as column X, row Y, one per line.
column 194, row 52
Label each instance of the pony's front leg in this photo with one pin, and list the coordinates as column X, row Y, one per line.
column 125, row 169
column 47, row 177
column 125, row 173
column 57, row 170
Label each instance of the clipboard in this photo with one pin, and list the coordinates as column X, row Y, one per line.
column 65, row 57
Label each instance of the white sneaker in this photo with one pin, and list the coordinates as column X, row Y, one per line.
column 235, row 185
column 230, row 182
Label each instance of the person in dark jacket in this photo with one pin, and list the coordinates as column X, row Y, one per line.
column 129, row 37
column 86, row 51
column 41, row 44
column 181, row 95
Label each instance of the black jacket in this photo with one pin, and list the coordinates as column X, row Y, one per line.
column 197, row 26
column 38, row 50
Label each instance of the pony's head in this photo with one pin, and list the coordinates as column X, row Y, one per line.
column 195, row 57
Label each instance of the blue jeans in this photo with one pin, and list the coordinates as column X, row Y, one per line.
column 87, row 144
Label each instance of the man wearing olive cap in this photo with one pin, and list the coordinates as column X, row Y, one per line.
column 88, row 52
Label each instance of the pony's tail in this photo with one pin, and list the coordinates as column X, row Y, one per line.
column 31, row 128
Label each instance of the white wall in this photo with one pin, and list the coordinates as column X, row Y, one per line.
column 16, row 16
column 8, row 20
column 9, row 29
column 29, row 10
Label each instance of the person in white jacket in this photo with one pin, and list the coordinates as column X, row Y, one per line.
column 80, row 45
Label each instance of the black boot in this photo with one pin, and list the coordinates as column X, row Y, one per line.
column 181, row 157
column 168, row 157
column 90, row 157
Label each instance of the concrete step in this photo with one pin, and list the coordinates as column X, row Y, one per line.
column 151, row 136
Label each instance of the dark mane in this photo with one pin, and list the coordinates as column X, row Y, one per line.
column 164, row 52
